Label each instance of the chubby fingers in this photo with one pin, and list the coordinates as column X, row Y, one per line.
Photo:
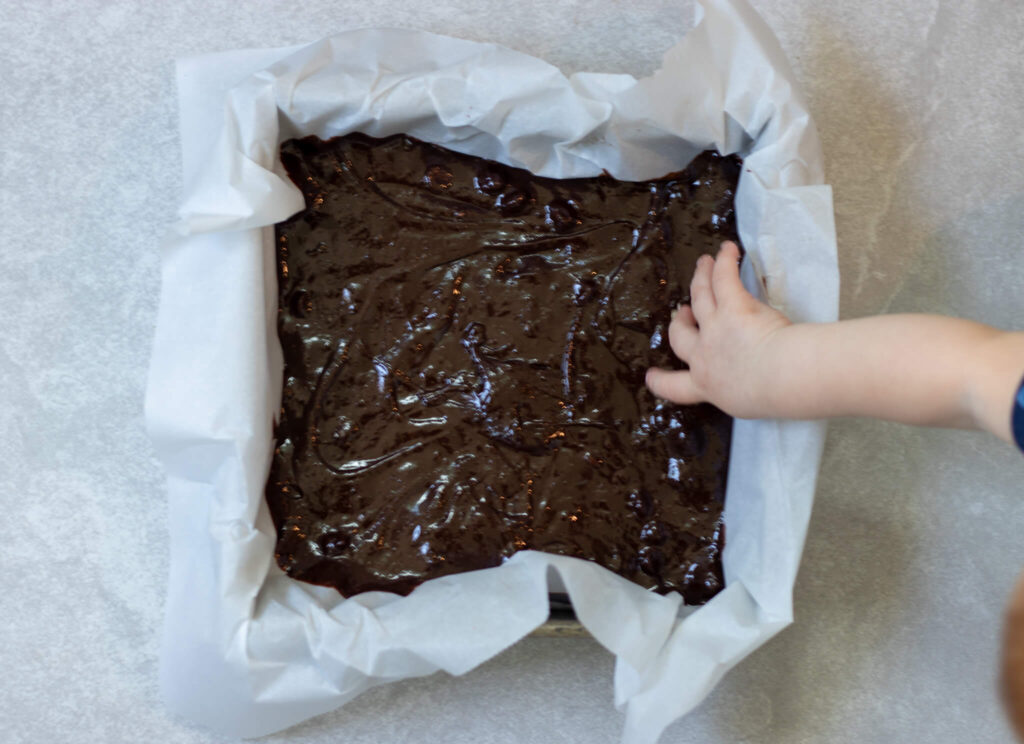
column 715, row 281
column 676, row 386
column 682, row 332
column 725, row 276
column 702, row 297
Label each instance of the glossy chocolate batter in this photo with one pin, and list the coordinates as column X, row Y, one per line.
column 465, row 346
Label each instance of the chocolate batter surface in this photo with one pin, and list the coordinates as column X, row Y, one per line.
column 465, row 346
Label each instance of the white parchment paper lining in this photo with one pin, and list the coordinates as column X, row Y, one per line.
column 248, row 651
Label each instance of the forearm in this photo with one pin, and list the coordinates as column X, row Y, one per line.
column 914, row 369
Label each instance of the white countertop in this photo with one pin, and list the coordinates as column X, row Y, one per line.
column 915, row 539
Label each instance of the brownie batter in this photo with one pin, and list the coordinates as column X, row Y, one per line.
column 465, row 346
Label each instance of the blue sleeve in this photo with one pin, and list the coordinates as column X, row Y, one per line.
column 1017, row 422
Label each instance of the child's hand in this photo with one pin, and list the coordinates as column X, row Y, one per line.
column 726, row 336
column 751, row 362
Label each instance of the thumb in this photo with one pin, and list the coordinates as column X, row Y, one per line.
column 677, row 387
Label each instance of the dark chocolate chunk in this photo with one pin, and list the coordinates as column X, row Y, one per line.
column 465, row 346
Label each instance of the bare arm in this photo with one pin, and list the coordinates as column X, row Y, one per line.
column 749, row 360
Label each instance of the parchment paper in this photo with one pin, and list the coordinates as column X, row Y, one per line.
column 248, row 651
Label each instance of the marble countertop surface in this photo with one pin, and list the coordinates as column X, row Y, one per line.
column 915, row 540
